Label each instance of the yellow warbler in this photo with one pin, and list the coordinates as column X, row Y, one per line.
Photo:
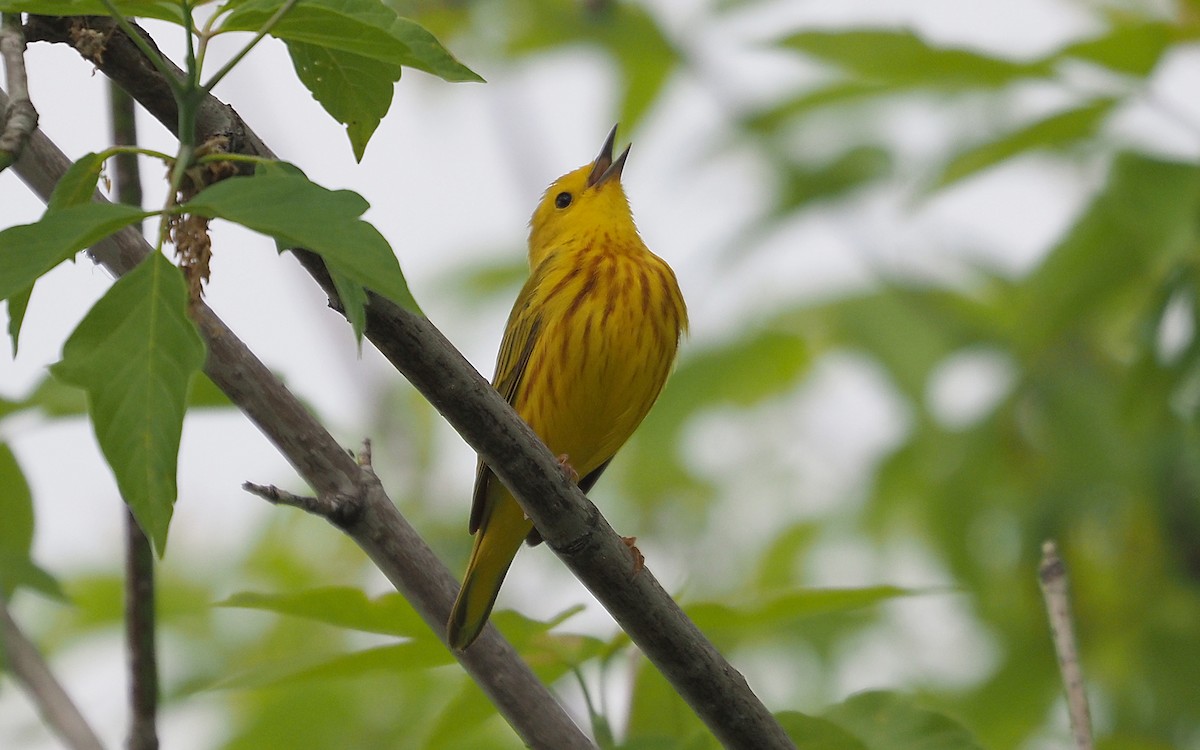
column 588, row 346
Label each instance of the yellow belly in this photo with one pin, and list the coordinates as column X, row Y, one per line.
column 604, row 350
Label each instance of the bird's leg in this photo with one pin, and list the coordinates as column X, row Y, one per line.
column 639, row 560
column 564, row 461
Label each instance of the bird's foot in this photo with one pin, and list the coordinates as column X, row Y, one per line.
column 564, row 461
column 639, row 560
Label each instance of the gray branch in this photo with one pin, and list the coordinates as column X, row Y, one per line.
column 26, row 664
column 566, row 519
column 363, row 511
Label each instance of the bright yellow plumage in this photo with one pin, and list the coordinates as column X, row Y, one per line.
column 588, row 346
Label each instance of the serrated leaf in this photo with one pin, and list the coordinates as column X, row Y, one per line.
column 164, row 10
column 135, row 354
column 281, row 202
column 361, row 27
column 342, row 606
column 78, row 183
column 16, row 306
column 901, row 59
column 889, row 721
column 28, row 251
column 355, row 90
column 1056, row 131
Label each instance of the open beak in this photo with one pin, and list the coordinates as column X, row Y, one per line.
column 604, row 168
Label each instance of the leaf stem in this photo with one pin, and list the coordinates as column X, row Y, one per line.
column 266, row 29
column 151, row 54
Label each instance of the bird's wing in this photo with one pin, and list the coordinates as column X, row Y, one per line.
column 520, row 336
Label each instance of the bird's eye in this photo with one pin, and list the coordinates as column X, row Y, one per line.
column 562, row 200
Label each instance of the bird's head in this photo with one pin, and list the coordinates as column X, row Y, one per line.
column 582, row 204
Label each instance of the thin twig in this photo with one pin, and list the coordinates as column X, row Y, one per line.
column 258, row 37
column 30, row 670
column 140, row 638
column 1052, row 574
column 19, row 119
column 139, row 557
column 319, row 506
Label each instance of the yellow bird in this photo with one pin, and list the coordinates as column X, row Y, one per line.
column 588, row 345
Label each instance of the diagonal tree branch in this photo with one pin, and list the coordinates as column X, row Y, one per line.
column 566, row 519
column 52, row 701
column 363, row 510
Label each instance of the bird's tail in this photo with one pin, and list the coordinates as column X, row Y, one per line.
column 496, row 544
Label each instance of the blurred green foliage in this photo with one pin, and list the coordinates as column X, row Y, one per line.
column 1091, row 439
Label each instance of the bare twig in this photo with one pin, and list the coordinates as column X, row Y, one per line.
column 139, row 558
column 1052, row 574
column 364, row 511
column 567, row 521
column 19, row 119
column 320, row 506
column 31, row 671
column 140, row 638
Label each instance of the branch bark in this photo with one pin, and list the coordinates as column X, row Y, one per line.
column 52, row 701
column 566, row 519
column 1053, row 579
column 19, row 118
column 363, row 511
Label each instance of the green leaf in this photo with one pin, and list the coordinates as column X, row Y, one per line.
column 342, row 606
column 164, row 10
column 354, row 303
column 366, row 28
column 776, row 115
column 17, row 305
column 16, row 533
column 774, row 615
column 1133, row 49
column 888, row 721
column 78, row 184
column 400, row 658
column 355, row 90
column 910, row 331
column 28, row 251
column 16, row 508
column 854, row 168
column 813, row 733
column 135, row 354
column 1054, row 132
column 1142, row 221
column 281, row 202
column 901, row 59
column 659, row 717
